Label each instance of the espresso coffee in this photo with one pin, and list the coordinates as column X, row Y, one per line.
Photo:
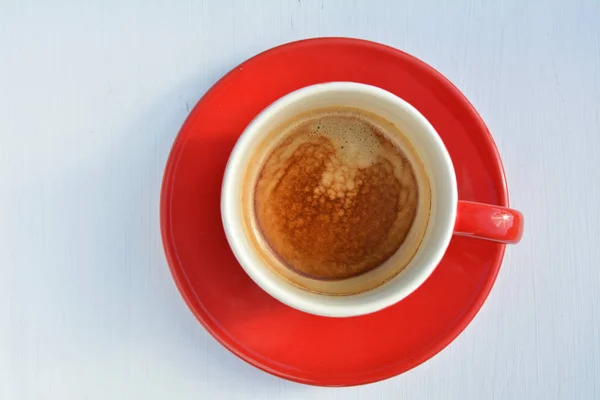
column 335, row 195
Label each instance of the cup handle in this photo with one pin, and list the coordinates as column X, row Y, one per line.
column 489, row 222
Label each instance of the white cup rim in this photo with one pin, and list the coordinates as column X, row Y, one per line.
column 351, row 305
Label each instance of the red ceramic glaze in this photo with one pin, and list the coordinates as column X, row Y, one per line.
column 489, row 222
column 261, row 330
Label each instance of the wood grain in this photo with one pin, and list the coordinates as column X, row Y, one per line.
column 92, row 95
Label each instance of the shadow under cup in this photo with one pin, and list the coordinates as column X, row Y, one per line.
column 399, row 275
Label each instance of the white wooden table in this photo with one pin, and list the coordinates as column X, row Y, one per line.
column 91, row 98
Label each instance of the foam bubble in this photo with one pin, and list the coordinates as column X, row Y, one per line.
column 354, row 140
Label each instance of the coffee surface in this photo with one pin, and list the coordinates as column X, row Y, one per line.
column 336, row 197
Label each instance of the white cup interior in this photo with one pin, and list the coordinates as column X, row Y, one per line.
column 432, row 153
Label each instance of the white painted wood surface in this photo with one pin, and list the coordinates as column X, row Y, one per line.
column 92, row 95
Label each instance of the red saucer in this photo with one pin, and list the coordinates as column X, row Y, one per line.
column 261, row 330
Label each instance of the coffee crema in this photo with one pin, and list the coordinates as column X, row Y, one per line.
column 335, row 196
